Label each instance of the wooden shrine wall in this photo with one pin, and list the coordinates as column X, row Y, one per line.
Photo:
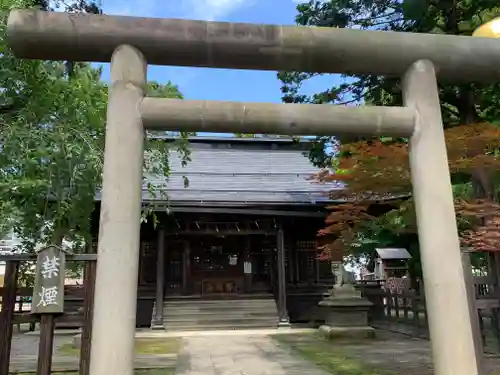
column 301, row 262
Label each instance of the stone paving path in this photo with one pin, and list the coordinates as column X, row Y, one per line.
column 24, row 354
column 256, row 353
column 26, row 344
column 240, row 355
column 70, row 364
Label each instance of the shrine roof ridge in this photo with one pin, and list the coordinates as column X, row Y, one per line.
column 232, row 139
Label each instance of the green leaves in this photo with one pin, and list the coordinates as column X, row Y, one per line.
column 52, row 128
column 460, row 105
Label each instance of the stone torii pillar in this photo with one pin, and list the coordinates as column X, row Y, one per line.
column 437, row 227
column 115, row 301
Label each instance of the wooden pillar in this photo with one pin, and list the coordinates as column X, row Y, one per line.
column 45, row 345
column 247, row 265
column 316, row 269
column 88, row 303
column 494, row 272
column 471, row 297
column 291, row 262
column 297, row 263
column 7, row 314
column 186, row 267
column 284, row 320
column 160, row 280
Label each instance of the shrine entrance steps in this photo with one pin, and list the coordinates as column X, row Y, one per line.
column 220, row 313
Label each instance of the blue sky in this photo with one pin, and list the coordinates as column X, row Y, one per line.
column 218, row 84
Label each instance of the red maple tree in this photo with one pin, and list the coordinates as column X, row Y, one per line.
column 340, row 228
column 379, row 168
column 484, row 217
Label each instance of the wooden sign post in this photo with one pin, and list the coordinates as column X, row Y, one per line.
column 48, row 300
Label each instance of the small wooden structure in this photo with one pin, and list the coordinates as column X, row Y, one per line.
column 391, row 263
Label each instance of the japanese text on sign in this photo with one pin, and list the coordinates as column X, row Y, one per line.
column 48, row 293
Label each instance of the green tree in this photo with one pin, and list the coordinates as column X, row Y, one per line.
column 52, row 124
column 462, row 104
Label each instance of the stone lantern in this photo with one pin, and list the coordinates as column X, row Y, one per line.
column 344, row 309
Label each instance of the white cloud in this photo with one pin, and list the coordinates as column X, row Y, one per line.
column 211, row 10
column 129, row 7
column 208, row 10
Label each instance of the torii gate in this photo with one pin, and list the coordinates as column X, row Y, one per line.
column 130, row 43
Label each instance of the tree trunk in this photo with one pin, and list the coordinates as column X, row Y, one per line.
column 482, row 182
column 466, row 105
column 483, row 185
column 57, row 237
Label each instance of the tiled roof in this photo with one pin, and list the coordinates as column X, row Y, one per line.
column 238, row 171
column 387, row 254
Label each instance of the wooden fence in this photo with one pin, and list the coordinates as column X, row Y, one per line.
column 406, row 312
column 78, row 312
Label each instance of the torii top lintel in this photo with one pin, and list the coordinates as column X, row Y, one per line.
column 86, row 37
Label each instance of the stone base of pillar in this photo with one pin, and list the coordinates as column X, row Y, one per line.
column 284, row 322
column 346, row 314
column 157, row 327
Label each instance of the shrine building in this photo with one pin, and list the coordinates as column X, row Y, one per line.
column 235, row 245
